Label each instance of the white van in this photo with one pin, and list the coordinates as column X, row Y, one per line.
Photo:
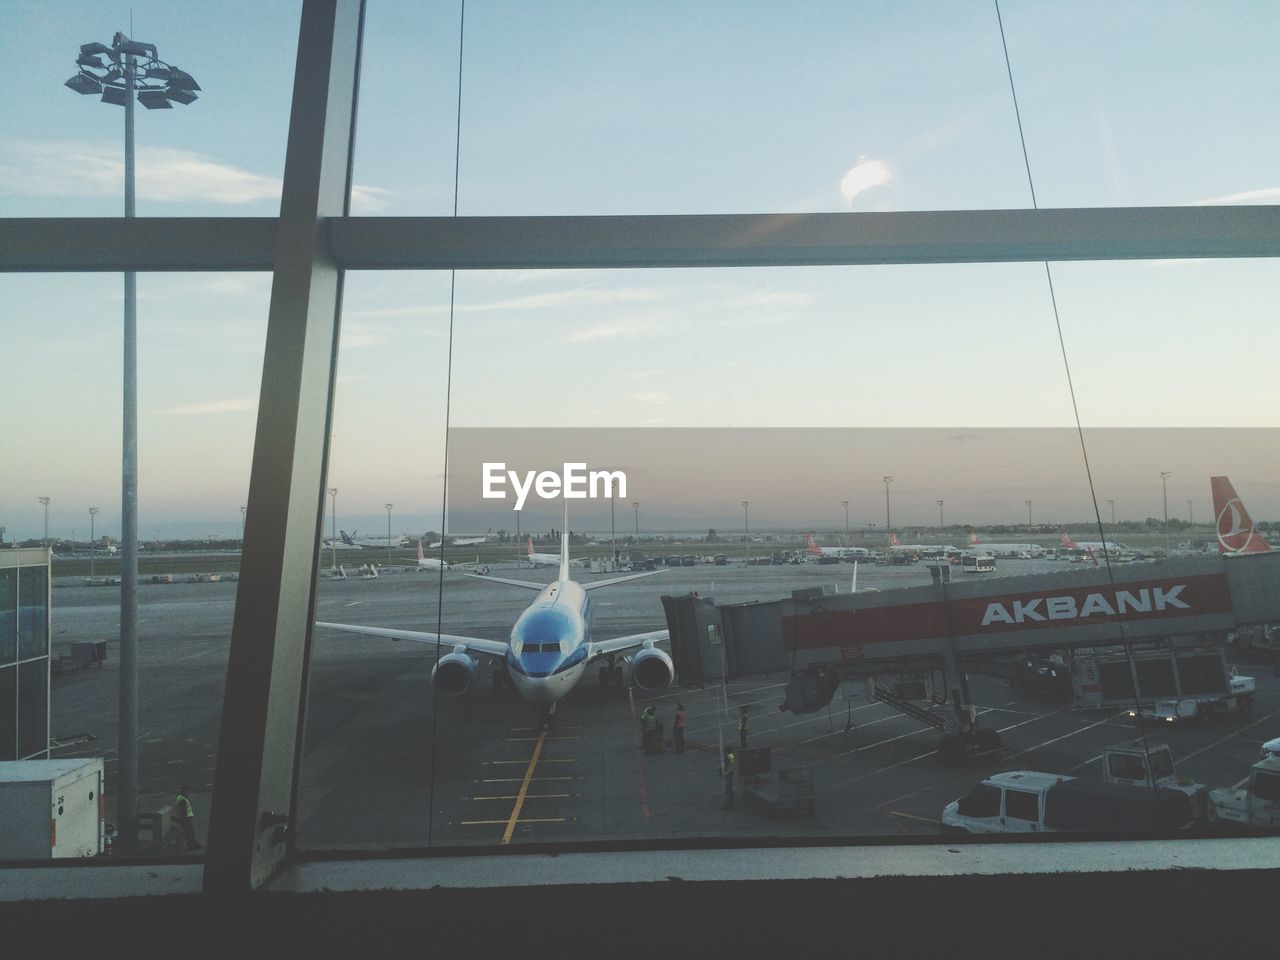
column 1003, row 803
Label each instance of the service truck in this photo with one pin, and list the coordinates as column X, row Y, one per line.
column 1028, row 801
column 1255, row 801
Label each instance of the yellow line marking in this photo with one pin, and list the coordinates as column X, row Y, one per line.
column 912, row 816
column 527, row 739
column 531, row 796
column 496, row 762
column 524, row 788
column 474, row 823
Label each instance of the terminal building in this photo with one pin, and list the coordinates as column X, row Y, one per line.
column 24, row 654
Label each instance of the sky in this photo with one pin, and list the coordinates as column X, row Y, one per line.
column 623, row 108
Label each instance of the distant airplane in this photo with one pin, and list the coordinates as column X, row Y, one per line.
column 371, row 543
column 1237, row 533
column 434, row 563
column 841, row 552
column 545, row 559
column 1112, row 548
column 463, row 541
column 550, row 644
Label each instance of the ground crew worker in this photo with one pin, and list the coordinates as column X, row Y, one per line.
column 187, row 818
column 679, row 728
column 728, row 779
column 649, row 722
column 742, row 727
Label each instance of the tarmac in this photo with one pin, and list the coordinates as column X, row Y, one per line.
column 388, row 764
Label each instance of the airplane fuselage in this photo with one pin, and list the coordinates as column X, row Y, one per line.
column 551, row 643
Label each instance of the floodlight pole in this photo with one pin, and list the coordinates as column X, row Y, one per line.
column 1164, row 490
column 888, row 520
column 333, row 530
column 389, row 506
column 845, row 504
column 45, row 501
column 93, row 547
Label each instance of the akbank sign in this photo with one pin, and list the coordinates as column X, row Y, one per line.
column 575, row 482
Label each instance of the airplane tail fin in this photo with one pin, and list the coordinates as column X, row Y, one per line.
column 420, row 556
column 564, row 544
column 973, row 538
column 1236, row 530
column 894, row 540
column 1065, row 539
column 813, row 546
column 530, row 550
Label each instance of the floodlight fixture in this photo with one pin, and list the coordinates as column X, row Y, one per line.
column 181, row 80
column 91, row 60
column 84, row 83
column 154, row 100
column 180, row 96
column 89, row 49
column 114, row 95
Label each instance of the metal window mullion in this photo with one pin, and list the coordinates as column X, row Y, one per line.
column 266, row 672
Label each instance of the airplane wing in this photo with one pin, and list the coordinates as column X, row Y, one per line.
column 526, row 584
column 610, row 582
column 494, row 648
column 619, row 644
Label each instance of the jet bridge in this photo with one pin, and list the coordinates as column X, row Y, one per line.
column 822, row 638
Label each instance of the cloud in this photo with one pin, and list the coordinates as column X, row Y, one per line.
column 645, row 374
column 243, row 405
column 650, row 396
column 165, row 174
column 613, row 330
column 1250, row 196
column 864, row 175
column 783, row 298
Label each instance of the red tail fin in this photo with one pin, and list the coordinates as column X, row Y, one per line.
column 1066, row 540
column 973, row 538
column 813, row 546
column 531, row 546
column 420, row 556
column 1236, row 532
column 893, row 539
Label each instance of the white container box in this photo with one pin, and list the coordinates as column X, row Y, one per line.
column 51, row 808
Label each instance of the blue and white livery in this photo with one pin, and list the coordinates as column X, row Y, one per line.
column 550, row 644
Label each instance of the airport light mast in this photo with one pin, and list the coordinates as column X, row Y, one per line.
column 888, row 521
column 1113, row 512
column 845, row 504
column 635, row 505
column 1028, row 503
column 45, row 501
column 1189, row 520
column 136, row 71
column 333, row 528
column 388, row 507
column 93, row 547
column 941, row 524
column 243, row 511
column 1164, row 489
column 746, row 529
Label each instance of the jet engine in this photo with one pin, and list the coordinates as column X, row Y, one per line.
column 651, row 668
column 454, row 674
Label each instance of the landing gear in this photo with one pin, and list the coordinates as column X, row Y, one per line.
column 501, row 681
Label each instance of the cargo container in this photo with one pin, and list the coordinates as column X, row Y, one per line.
column 51, row 809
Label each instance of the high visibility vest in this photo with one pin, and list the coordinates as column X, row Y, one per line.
column 728, row 765
column 742, row 723
column 184, row 807
column 650, row 720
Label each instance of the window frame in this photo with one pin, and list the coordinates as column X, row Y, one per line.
column 314, row 240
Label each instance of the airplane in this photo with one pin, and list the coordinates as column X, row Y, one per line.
column 546, row 559
column 370, row 543
column 550, row 644
column 464, row 541
column 434, row 563
column 838, row 552
column 1237, row 533
column 1112, row 548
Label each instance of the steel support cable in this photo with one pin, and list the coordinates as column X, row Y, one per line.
column 448, row 395
column 1075, row 409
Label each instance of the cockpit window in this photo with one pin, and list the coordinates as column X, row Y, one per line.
column 542, row 631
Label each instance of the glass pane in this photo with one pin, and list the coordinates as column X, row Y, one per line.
column 8, row 614
column 588, row 108
column 200, row 347
column 33, row 613
column 33, row 709
column 219, row 155
column 9, row 713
